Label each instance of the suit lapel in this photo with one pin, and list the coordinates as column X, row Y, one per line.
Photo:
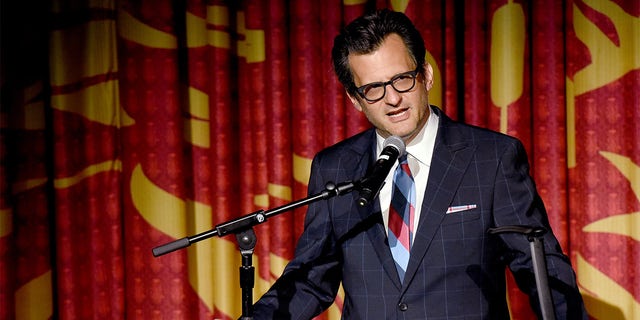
column 377, row 234
column 378, row 237
column 451, row 157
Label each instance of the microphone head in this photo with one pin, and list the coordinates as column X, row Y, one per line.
column 396, row 142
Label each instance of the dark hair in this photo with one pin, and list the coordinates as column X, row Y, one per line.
column 365, row 35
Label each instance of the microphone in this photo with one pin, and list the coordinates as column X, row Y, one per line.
column 370, row 185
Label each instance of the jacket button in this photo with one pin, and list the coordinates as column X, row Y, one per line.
column 403, row 306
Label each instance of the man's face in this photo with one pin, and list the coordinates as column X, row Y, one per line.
column 399, row 114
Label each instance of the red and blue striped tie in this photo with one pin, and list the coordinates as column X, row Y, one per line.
column 401, row 213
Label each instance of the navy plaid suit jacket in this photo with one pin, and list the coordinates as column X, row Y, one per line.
column 456, row 269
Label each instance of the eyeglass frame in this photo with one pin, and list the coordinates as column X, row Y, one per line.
column 413, row 74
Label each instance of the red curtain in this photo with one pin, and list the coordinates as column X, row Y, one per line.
column 128, row 124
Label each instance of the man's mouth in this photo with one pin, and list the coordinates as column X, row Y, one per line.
column 397, row 113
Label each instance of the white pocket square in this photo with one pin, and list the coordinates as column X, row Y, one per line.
column 455, row 209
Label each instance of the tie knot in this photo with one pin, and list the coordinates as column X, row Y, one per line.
column 404, row 165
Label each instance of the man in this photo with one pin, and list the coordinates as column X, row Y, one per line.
column 459, row 181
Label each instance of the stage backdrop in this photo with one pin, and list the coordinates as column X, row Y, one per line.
column 129, row 124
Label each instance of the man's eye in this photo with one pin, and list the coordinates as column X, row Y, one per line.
column 373, row 87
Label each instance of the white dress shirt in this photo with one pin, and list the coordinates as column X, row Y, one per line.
column 419, row 154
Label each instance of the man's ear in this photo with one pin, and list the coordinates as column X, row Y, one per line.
column 428, row 76
column 355, row 101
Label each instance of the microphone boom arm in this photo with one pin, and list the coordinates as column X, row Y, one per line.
column 252, row 219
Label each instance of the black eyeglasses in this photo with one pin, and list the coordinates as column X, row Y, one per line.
column 402, row 82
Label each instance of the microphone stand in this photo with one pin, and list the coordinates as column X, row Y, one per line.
column 242, row 227
column 534, row 235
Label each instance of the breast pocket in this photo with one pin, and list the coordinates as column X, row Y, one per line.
column 461, row 214
column 465, row 224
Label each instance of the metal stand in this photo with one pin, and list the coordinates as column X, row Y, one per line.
column 247, row 242
column 242, row 227
column 534, row 235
